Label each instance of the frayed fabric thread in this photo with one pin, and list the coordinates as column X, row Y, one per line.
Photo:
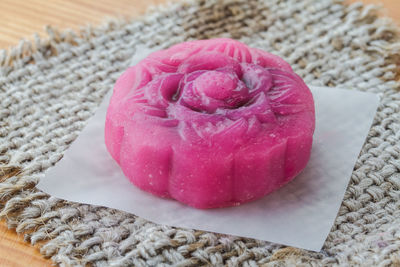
column 50, row 87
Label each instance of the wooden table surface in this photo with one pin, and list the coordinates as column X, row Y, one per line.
column 20, row 19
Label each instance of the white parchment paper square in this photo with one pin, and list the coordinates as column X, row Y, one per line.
column 300, row 214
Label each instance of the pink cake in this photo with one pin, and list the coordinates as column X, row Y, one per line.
column 210, row 123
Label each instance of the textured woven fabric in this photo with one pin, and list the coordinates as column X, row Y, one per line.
column 48, row 90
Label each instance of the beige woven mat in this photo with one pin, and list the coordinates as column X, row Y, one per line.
column 48, row 89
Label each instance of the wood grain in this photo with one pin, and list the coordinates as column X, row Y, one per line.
column 19, row 19
column 390, row 8
column 14, row 252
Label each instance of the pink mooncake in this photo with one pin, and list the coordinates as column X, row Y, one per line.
column 210, row 123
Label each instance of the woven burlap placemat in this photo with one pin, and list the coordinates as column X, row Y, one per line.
column 49, row 88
